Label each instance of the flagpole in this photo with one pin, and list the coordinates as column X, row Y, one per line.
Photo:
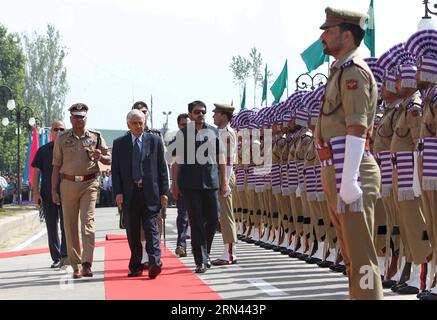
column 151, row 111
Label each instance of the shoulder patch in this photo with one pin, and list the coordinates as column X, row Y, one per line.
column 352, row 84
column 414, row 109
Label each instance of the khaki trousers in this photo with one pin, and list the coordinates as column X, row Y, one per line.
column 79, row 201
column 288, row 223
column 306, row 215
column 412, row 225
column 380, row 234
column 392, row 220
column 317, row 222
column 296, row 211
column 429, row 204
column 227, row 220
column 331, row 236
column 355, row 232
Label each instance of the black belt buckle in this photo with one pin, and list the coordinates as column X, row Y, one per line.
column 394, row 160
column 420, row 146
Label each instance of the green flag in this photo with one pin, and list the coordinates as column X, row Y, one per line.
column 313, row 56
column 243, row 100
column 280, row 84
column 264, row 98
column 369, row 38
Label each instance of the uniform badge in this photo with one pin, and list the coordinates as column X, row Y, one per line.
column 351, row 84
column 88, row 143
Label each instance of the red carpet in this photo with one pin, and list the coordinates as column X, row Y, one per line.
column 12, row 254
column 176, row 281
column 111, row 237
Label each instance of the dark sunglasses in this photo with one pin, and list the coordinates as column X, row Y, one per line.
column 199, row 112
column 58, row 129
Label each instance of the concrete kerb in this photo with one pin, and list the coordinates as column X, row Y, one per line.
column 17, row 220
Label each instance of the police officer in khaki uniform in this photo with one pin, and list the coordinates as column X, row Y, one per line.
column 222, row 116
column 345, row 122
column 75, row 156
column 423, row 45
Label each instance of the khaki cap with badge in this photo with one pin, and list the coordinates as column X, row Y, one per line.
column 78, row 109
column 221, row 107
column 335, row 17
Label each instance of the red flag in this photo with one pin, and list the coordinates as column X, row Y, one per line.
column 33, row 149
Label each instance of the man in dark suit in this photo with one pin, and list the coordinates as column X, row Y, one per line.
column 140, row 184
column 199, row 157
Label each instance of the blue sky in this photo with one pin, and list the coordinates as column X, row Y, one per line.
column 120, row 51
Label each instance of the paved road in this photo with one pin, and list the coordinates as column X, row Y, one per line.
column 260, row 274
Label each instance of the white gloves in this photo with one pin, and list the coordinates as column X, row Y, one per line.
column 350, row 191
column 228, row 192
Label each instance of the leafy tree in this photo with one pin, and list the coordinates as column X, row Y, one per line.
column 46, row 75
column 240, row 67
column 255, row 65
column 12, row 73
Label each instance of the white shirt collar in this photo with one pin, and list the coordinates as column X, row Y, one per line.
column 133, row 138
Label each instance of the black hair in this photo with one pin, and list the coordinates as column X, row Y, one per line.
column 191, row 105
column 139, row 105
column 357, row 32
column 182, row 116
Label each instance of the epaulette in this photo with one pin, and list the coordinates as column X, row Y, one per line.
column 153, row 131
column 95, row 132
column 347, row 64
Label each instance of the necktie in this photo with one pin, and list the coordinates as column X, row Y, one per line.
column 136, row 161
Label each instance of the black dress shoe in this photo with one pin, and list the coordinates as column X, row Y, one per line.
column 135, row 273
column 423, row 293
column 154, row 270
column 145, row 266
column 337, row 268
column 302, row 256
column 208, row 264
column 396, row 287
column 408, row 290
column 221, row 262
column 56, row 265
column 293, row 254
column 429, row 296
column 312, row 260
column 284, row 250
column 258, row 243
column 200, row 268
column 387, row 284
column 325, row 264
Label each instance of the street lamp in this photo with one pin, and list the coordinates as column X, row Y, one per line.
column 318, row 80
column 427, row 22
column 166, row 122
column 18, row 113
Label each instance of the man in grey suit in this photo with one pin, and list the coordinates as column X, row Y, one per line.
column 140, row 184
